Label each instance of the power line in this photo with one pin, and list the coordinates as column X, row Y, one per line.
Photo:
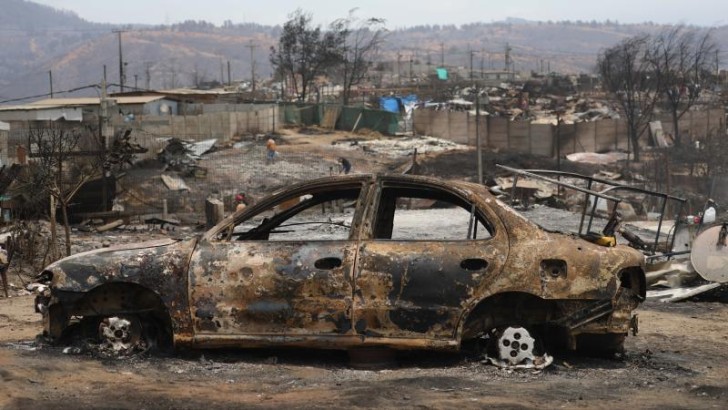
column 44, row 29
column 49, row 94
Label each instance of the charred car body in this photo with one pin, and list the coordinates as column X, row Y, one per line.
column 353, row 261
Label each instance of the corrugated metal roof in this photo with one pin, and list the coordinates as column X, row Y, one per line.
column 77, row 102
column 95, row 100
column 190, row 91
column 26, row 107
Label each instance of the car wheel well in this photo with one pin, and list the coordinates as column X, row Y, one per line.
column 505, row 309
column 634, row 278
column 114, row 299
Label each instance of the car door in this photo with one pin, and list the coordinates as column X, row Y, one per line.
column 429, row 249
column 284, row 268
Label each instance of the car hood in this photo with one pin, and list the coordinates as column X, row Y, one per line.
column 147, row 263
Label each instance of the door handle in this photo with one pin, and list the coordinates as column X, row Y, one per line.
column 474, row 264
column 327, row 263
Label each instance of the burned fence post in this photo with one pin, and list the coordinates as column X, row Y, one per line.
column 214, row 211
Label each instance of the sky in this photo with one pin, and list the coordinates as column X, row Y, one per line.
column 398, row 14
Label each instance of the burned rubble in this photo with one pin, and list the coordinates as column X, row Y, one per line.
column 645, row 362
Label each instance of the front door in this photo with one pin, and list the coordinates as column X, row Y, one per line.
column 284, row 270
column 267, row 288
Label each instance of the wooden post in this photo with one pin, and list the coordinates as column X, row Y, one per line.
column 214, row 211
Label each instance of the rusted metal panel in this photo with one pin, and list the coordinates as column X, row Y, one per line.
column 419, row 289
column 160, row 266
column 271, row 288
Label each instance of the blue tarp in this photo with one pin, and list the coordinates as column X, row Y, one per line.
column 390, row 104
column 410, row 99
column 396, row 104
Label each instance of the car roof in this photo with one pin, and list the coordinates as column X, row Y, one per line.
column 344, row 180
column 422, row 179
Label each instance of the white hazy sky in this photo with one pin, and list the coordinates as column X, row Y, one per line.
column 398, row 13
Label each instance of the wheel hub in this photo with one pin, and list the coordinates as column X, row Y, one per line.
column 514, row 347
column 120, row 335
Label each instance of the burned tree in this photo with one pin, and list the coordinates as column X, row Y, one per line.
column 682, row 62
column 304, row 52
column 625, row 70
column 361, row 42
column 64, row 159
column 52, row 145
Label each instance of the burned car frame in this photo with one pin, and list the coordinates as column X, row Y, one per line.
column 657, row 246
column 346, row 262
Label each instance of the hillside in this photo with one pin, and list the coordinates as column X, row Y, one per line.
column 38, row 38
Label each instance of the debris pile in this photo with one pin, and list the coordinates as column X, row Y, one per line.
column 518, row 103
column 182, row 156
column 401, row 146
column 123, row 150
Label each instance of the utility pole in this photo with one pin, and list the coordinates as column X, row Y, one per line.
column 442, row 54
column 479, row 148
column 482, row 62
column 412, row 75
column 222, row 72
column 252, row 47
column 136, row 82
column 148, row 73
column 399, row 70
column 122, row 76
column 508, row 58
column 103, row 114
column 228, row 67
column 559, row 113
column 50, row 78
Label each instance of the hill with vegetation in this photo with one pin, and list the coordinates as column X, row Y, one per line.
column 37, row 39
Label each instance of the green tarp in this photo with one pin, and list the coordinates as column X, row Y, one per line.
column 301, row 114
column 311, row 114
column 376, row 120
column 441, row 73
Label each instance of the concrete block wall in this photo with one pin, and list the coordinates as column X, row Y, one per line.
column 497, row 133
column 540, row 139
column 149, row 131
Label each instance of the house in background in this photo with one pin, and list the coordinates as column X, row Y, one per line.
column 86, row 108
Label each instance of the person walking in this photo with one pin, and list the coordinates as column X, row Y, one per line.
column 271, row 151
column 345, row 165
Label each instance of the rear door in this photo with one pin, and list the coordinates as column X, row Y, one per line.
column 428, row 250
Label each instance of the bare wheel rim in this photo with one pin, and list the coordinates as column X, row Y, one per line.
column 121, row 335
column 515, row 347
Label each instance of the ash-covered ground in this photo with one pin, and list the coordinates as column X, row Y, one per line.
column 677, row 360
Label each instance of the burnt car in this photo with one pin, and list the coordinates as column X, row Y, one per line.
column 355, row 261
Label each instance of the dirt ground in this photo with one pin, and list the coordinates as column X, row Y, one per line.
column 678, row 360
